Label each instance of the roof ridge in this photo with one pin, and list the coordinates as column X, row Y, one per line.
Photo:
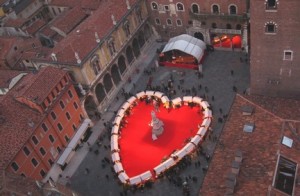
column 244, row 98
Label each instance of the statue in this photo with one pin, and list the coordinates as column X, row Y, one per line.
column 157, row 126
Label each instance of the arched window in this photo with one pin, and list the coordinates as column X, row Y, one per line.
column 180, row 7
column 157, row 21
column 154, row 6
column 195, row 9
column 179, row 22
column 215, row 9
column 232, row 10
column 214, row 25
column 228, row 26
column 238, row 27
column 270, row 27
column 169, row 21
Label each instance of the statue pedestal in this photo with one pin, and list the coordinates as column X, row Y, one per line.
column 157, row 126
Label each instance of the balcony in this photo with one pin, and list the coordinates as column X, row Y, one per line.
column 211, row 16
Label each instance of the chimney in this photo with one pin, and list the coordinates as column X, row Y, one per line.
column 113, row 19
column 53, row 56
column 128, row 5
column 97, row 37
column 77, row 58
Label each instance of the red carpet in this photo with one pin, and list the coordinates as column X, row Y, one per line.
column 139, row 152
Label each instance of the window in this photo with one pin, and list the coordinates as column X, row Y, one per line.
column 70, row 93
column 75, row 105
column 26, row 150
column 166, row 7
column 58, row 149
column 53, row 115
column 271, row 4
column 285, row 175
column 74, row 127
column 238, row 27
column 34, row 162
column 15, row 166
column 57, row 90
column 62, row 105
column 157, row 21
column 215, row 9
column 232, row 10
column 178, row 22
column 154, row 6
column 111, row 46
column 214, row 25
column 169, row 22
column 50, row 162
column 44, row 127
column 95, row 63
column 68, row 115
column 52, row 94
column 59, row 126
column 67, row 138
column 228, row 26
column 139, row 14
column 42, row 172
column 42, row 151
column 35, row 140
column 65, row 79
column 270, row 27
column 126, row 28
column 179, row 7
column 195, row 9
column 288, row 55
column 51, row 138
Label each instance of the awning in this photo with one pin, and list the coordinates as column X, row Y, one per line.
column 74, row 141
column 187, row 44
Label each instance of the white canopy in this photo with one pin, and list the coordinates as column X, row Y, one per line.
column 186, row 44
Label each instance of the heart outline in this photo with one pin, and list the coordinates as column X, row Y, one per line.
column 174, row 157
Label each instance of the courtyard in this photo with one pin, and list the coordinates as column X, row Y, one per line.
column 224, row 74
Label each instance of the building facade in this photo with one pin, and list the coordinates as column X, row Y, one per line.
column 275, row 26
column 41, row 114
column 209, row 21
column 99, row 54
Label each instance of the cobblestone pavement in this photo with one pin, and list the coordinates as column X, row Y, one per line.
column 223, row 73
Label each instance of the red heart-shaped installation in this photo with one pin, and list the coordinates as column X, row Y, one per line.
column 137, row 157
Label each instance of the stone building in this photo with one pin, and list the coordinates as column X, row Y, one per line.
column 275, row 26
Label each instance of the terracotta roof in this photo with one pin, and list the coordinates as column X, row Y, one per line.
column 70, row 19
column 38, row 86
column 65, row 3
column 86, row 4
column 12, row 184
column 5, row 45
column 82, row 39
column 34, row 27
column 6, row 76
column 17, row 118
column 18, row 22
column 284, row 108
column 260, row 150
